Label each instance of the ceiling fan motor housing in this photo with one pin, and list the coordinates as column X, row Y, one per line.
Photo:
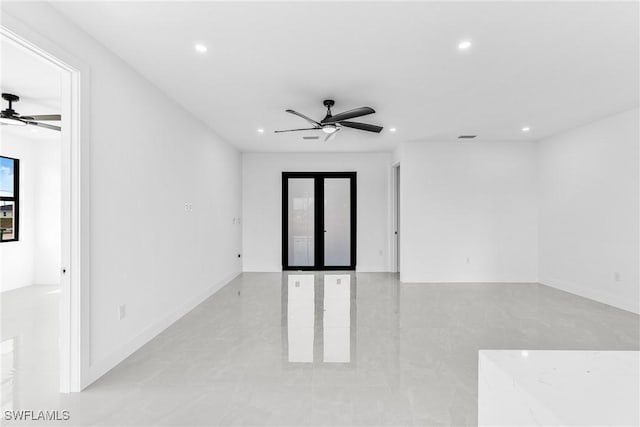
column 328, row 103
column 11, row 99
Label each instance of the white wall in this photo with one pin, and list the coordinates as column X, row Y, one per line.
column 17, row 258
column 148, row 157
column 589, row 211
column 262, row 204
column 35, row 258
column 468, row 212
column 47, row 243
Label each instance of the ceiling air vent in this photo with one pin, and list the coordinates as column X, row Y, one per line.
column 467, row 136
column 310, row 137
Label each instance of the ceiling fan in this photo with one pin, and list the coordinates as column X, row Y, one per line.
column 332, row 124
column 11, row 117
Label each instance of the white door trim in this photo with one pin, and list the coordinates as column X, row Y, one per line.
column 74, row 329
column 395, row 220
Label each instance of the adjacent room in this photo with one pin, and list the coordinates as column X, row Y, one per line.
column 30, row 225
column 320, row 213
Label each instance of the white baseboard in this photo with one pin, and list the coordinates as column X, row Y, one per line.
column 271, row 269
column 372, row 269
column 593, row 294
column 480, row 281
column 98, row 369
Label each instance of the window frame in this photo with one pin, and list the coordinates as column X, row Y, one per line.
column 15, row 199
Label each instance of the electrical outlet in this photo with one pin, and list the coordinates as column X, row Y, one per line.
column 468, row 260
column 616, row 276
column 380, row 252
column 122, row 311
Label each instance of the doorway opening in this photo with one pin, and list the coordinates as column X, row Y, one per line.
column 319, row 220
column 396, row 216
column 51, row 195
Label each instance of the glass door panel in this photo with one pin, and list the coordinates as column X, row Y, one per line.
column 337, row 222
column 301, row 222
column 319, row 220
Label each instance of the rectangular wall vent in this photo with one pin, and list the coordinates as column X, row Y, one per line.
column 467, row 136
column 310, row 137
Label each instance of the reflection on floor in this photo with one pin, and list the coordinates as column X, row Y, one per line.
column 325, row 308
column 303, row 349
column 29, row 346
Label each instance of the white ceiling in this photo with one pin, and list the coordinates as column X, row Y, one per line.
column 548, row 65
column 35, row 81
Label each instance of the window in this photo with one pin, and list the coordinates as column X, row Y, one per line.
column 9, row 203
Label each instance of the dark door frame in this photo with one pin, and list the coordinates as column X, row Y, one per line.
column 318, row 258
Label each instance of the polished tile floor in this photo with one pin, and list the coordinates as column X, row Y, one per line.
column 311, row 349
column 558, row 388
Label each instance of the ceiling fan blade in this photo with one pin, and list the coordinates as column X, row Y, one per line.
column 294, row 130
column 362, row 126
column 356, row 112
column 43, row 117
column 313, row 122
column 331, row 135
column 44, row 125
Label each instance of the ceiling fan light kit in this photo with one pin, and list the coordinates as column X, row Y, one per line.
column 331, row 124
column 11, row 117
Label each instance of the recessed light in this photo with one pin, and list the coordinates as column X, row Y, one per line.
column 199, row 47
column 392, row 129
column 464, row 45
column 260, row 130
column 526, row 129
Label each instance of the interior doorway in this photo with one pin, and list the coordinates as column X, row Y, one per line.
column 30, row 223
column 396, row 216
column 71, row 268
column 318, row 220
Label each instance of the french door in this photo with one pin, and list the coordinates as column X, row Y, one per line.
column 318, row 220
